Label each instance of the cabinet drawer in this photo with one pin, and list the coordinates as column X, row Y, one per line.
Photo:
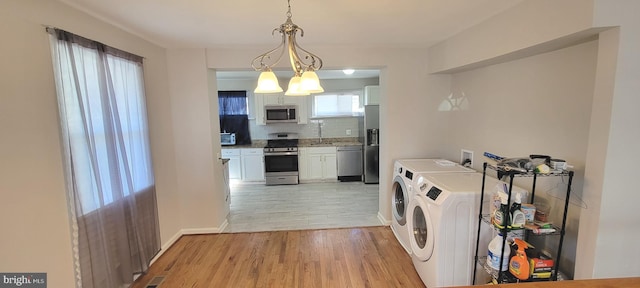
column 252, row 151
column 321, row 150
column 226, row 153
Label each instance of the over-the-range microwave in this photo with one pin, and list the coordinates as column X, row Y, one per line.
column 280, row 114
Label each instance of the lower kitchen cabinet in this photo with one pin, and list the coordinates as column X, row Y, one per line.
column 252, row 164
column 235, row 166
column 318, row 164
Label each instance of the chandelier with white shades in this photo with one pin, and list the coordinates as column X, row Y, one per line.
column 305, row 80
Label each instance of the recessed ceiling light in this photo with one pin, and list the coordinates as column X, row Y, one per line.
column 348, row 71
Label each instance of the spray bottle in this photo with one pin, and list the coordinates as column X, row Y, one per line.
column 517, row 216
column 519, row 264
column 501, row 217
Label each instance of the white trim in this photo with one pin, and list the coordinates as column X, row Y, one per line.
column 182, row 232
column 193, row 231
column 383, row 220
column 223, row 226
column 166, row 247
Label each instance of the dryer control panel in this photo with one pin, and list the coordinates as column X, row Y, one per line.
column 408, row 174
column 433, row 193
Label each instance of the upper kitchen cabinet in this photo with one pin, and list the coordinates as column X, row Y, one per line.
column 372, row 95
column 280, row 99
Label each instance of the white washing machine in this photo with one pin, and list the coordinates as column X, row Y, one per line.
column 401, row 194
column 443, row 220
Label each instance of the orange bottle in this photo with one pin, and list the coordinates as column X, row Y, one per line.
column 519, row 264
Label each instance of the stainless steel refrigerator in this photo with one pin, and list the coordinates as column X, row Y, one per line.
column 371, row 142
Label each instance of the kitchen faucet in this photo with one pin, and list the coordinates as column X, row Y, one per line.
column 319, row 131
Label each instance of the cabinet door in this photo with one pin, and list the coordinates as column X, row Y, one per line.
column 303, row 164
column 371, row 95
column 235, row 166
column 316, row 170
column 259, row 109
column 252, row 165
column 330, row 171
column 273, row 99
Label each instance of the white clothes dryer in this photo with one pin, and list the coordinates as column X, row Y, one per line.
column 401, row 194
column 443, row 221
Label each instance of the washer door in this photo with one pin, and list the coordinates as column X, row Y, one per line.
column 421, row 229
column 399, row 200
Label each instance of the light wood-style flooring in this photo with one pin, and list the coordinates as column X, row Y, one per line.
column 347, row 257
column 256, row 207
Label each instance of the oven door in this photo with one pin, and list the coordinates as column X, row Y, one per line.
column 279, row 162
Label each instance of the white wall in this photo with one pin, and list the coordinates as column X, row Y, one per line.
column 526, row 25
column 33, row 210
column 617, row 89
column 199, row 173
column 536, row 105
column 610, row 157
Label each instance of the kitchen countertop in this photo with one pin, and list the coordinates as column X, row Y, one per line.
column 312, row 142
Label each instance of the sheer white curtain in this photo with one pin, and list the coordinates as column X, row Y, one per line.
column 110, row 182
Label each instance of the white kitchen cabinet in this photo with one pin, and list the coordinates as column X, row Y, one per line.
column 252, row 164
column 235, row 166
column 372, row 95
column 280, row 99
column 317, row 164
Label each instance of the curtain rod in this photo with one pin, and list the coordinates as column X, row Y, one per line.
column 51, row 29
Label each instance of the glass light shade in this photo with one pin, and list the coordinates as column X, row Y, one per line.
column 310, row 82
column 268, row 83
column 294, row 87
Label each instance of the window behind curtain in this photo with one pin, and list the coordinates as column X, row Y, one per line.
column 110, row 181
column 234, row 115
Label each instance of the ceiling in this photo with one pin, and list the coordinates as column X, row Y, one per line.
column 228, row 23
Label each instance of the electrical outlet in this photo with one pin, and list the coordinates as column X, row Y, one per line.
column 348, row 131
column 466, row 158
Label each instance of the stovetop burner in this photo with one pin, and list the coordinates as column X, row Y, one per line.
column 279, row 142
column 282, row 143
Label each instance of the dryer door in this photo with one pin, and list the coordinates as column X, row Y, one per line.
column 399, row 200
column 421, row 229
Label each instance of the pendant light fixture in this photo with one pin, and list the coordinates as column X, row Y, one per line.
column 305, row 80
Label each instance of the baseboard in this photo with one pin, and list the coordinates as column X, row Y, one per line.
column 384, row 221
column 193, row 231
column 223, row 225
column 177, row 236
column 166, row 246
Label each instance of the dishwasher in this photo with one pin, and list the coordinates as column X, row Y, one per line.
column 349, row 163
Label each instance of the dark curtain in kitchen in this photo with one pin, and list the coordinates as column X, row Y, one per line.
column 234, row 115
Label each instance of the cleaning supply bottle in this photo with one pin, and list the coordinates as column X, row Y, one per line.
column 517, row 216
column 495, row 250
column 519, row 264
column 501, row 217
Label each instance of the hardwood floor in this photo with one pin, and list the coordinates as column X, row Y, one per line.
column 349, row 257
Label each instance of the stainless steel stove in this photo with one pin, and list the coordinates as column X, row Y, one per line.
column 281, row 159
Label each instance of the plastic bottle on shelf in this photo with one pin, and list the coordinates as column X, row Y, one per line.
column 501, row 217
column 517, row 216
column 495, row 251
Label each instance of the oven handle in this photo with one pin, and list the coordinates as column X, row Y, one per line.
column 280, row 154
